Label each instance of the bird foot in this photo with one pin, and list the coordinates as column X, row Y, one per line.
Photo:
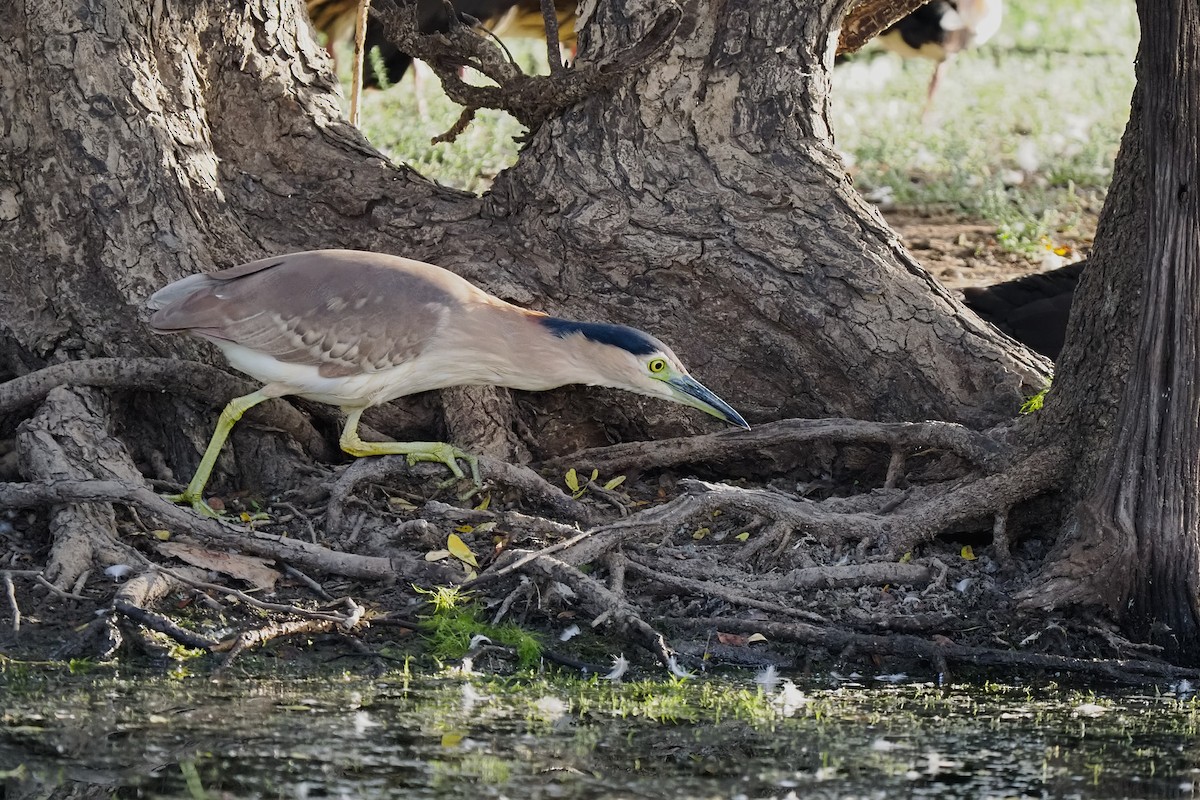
column 448, row 454
column 195, row 501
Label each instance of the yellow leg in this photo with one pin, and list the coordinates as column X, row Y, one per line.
column 416, row 451
column 229, row 417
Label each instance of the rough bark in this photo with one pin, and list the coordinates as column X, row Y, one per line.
column 1133, row 542
column 701, row 198
column 704, row 199
column 69, row 440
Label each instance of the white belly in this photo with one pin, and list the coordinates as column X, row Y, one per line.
column 353, row 391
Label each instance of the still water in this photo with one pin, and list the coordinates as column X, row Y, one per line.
column 464, row 736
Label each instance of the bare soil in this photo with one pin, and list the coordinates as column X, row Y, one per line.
column 961, row 253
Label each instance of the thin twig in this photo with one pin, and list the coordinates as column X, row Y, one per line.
column 60, row 592
column 10, row 591
column 360, row 56
column 312, row 585
column 164, row 625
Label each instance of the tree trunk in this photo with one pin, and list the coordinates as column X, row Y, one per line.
column 699, row 196
column 704, row 199
column 1134, row 535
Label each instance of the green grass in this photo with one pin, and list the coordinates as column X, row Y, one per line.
column 403, row 120
column 1023, row 132
column 1045, row 101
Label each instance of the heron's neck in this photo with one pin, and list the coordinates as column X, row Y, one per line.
column 514, row 348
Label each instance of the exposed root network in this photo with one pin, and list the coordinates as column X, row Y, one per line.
column 828, row 538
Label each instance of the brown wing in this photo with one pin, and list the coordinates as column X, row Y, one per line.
column 346, row 312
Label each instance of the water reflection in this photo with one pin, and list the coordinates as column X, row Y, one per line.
column 402, row 737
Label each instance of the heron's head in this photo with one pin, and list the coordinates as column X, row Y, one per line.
column 626, row 358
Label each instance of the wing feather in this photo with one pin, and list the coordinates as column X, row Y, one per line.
column 345, row 312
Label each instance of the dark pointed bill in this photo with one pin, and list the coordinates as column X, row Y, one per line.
column 695, row 394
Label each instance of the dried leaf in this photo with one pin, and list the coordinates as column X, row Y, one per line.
column 614, row 482
column 486, row 527
column 755, row 637
column 743, row 536
column 401, row 503
column 459, row 550
column 437, row 555
column 732, row 639
column 906, row 558
column 967, row 553
column 251, row 569
column 484, row 503
column 161, row 535
column 465, row 529
column 700, row 534
column 572, row 480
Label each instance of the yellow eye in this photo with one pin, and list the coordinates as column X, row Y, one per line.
column 658, row 365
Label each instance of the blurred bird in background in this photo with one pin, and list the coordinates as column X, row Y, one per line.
column 504, row 18
column 1033, row 309
column 940, row 30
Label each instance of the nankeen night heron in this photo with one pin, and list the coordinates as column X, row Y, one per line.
column 356, row 329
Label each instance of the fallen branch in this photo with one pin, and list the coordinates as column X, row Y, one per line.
column 260, row 636
column 157, row 622
column 294, row 551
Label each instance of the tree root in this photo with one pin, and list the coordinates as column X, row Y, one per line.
column 773, row 441
column 941, row 652
column 793, row 566
column 736, row 596
column 523, row 479
column 156, row 375
column 304, row 554
column 14, row 608
column 69, row 438
column 606, row 606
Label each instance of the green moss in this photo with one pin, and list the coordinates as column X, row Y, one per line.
column 1035, row 403
column 450, row 630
